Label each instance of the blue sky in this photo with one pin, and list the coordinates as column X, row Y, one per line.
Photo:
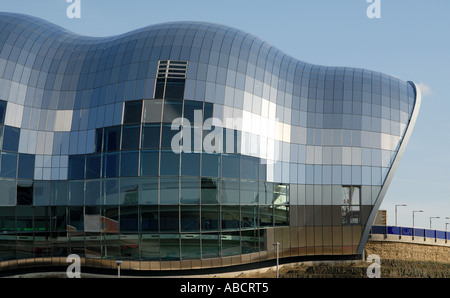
column 408, row 41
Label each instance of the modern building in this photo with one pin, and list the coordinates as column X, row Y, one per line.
column 187, row 145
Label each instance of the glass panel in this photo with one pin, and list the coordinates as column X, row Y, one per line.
column 210, row 218
column 190, row 107
column 265, row 216
column 153, row 111
column 249, row 216
column 129, row 166
column 190, row 164
column 129, row 219
column 25, row 193
column 250, row 241
column 190, row 191
column 129, row 191
column 249, row 168
column 11, row 138
column 26, row 166
column 41, row 193
column 281, row 215
column 230, row 191
column 8, row 165
column 59, row 192
column 150, row 219
column 110, row 165
column 190, row 218
column 167, row 136
column 209, row 191
column 170, row 163
column 131, row 137
column 230, row 166
column 110, row 191
column 99, row 140
column 76, row 192
column 231, row 244
column 230, row 217
column 149, row 163
column 174, row 89
column 2, row 111
column 92, row 192
column 148, row 188
column 159, row 89
column 169, row 191
column 133, row 112
column 210, row 165
column 172, row 110
column 169, row 220
column 76, row 166
column 190, row 246
column 150, row 136
column 210, row 245
column 112, row 138
column 249, row 192
column 93, row 162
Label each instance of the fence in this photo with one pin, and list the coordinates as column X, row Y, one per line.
column 413, row 232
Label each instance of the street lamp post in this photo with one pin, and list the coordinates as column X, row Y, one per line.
column 396, row 212
column 414, row 232
column 432, row 218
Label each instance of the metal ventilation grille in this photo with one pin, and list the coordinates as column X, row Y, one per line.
column 172, row 69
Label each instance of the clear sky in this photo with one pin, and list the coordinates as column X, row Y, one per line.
column 409, row 41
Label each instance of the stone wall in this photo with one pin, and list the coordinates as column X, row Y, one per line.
column 408, row 251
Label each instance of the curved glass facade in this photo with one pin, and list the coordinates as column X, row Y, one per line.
column 187, row 145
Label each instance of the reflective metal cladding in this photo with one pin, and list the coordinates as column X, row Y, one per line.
column 184, row 142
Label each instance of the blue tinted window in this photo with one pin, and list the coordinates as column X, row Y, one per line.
column 230, row 166
column 93, row 163
column 149, row 191
column 170, row 163
column 110, row 165
column 129, row 191
column 190, row 191
column 167, row 135
column 133, row 112
column 129, row 165
column 130, row 137
column 11, row 138
column 249, row 167
column 112, row 138
column 76, row 166
column 2, row 111
column 168, row 188
column 8, row 165
column 150, row 136
column 210, row 165
column 190, row 164
column 149, row 163
column 26, row 166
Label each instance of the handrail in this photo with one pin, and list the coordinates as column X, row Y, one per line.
column 409, row 231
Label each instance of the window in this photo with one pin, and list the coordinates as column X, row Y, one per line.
column 112, row 138
column 93, row 162
column 2, row 111
column 131, row 137
column 76, row 166
column 210, row 165
column 149, row 163
column 11, row 138
column 170, row 163
column 8, row 165
column 150, row 136
column 170, row 81
column 25, row 193
column 129, row 166
column 351, row 204
column 132, row 112
column 230, row 166
column 26, row 166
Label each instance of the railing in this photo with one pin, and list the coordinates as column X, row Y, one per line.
column 407, row 231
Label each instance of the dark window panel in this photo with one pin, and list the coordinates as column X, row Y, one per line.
column 129, row 166
column 149, row 163
column 209, row 191
column 190, row 164
column 25, row 193
column 170, row 163
column 230, row 166
column 153, row 111
column 112, row 138
column 249, row 167
column 11, row 138
column 76, row 167
column 131, row 137
column 2, row 111
column 210, row 165
column 110, row 165
column 26, row 166
column 174, row 89
column 151, row 136
column 172, row 110
column 132, row 112
column 148, row 188
column 93, row 166
column 8, row 165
